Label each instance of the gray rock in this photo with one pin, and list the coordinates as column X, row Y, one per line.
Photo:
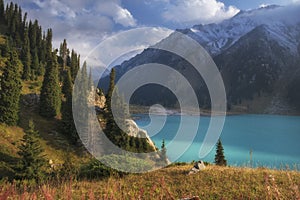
column 197, row 167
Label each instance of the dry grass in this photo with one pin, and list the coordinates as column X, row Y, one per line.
column 2, row 39
column 9, row 139
column 173, row 183
column 53, row 142
column 32, row 87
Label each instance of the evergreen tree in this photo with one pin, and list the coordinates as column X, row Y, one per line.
column 120, row 111
column 67, row 86
column 48, row 46
column 5, row 49
column 83, row 79
column 90, row 81
column 26, row 57
column 24, row 24
column 42, row 50
column 2, row 13
column 32, row 164
column 64, row 52
column 50, row 100
column 66, row 111
column 19, row 31
column 39, row 42
column 110, row 89
column 115, row 128
column 36, row 69
column 81, row 101
column 110, row 122
column 112, row 130
column 219, row 157
column 163, row 151
column 13, row 17
column 9, row 13
column 32, row 32
column 74, row 65
column 10, row 90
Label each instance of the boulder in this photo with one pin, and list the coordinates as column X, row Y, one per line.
column 197, row 167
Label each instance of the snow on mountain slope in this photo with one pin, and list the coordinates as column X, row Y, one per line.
column 281, row 22
column 257, row 52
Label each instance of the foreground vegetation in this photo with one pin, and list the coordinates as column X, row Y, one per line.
column 170, row 183
column 47, row 161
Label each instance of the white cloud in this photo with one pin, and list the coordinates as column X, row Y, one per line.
column 116, row 12
column 191, row 12
column 115, row 49
column 124, row 17
column 264, row 5
column 84, row 23
column 56, row 8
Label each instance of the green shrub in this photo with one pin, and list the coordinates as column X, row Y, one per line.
column 94, row 170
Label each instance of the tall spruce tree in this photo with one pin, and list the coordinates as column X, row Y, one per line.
column 50, row 101
column 9, row 13
column 32, row 163
column 163, row 151
column 110, row 122
column 110, row 89
column 48, row 46
column 115, row 128
column 90, row 81
column 74, row 65
column 112, row 130
column 43, row 50
column 35, row 66
column 219, row 157
column 2, row 13
column 24, row 24
column 32, row 32
column 81, row 102
column 26, row 57
column 64, row 53
column 39, row 40
column 10, row 91
column 66, row 111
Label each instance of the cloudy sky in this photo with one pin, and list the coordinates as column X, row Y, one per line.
column 85, row 23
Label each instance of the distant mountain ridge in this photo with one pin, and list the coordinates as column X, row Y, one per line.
column 216, row 38
column 256, row 51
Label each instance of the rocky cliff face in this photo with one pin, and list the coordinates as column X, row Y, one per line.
column 132, row 128
column 135, row 131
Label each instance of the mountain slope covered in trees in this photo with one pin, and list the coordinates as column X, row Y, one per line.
column 36, row 85
column 256, row 51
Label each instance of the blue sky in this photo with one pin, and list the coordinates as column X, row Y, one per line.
column 85, row 23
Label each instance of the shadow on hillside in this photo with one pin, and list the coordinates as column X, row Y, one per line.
column 8, row 158
column 49, row 129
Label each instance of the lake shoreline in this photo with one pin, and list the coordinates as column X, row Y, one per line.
column 145, row 110
column 262, row 134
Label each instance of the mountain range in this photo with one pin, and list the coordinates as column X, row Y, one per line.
column 256, row 51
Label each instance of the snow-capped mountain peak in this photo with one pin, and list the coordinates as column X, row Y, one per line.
column 282, row 22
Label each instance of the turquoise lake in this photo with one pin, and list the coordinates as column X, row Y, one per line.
column 273, row 140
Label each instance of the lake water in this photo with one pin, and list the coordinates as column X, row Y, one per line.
column 274, row 140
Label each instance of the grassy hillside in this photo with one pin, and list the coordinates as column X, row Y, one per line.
column 53, row 142
column 174, row 183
